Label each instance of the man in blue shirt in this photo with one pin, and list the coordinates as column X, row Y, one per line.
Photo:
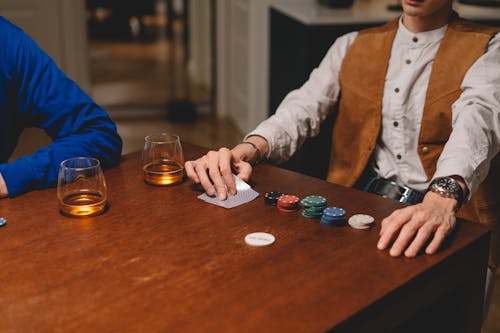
column 34, row 92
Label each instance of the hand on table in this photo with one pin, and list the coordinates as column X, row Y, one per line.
column 409, row 229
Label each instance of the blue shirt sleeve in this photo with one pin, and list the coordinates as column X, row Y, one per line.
column 44, row 97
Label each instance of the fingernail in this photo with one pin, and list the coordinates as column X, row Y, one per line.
column 394, row 253
column 221, row 196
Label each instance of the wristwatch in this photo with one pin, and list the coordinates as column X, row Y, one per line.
column 449, row 188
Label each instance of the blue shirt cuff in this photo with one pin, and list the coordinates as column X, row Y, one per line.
column 19, row 177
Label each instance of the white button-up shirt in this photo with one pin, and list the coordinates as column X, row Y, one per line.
column 475, row 138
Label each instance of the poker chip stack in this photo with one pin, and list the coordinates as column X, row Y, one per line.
column 361, row 221
column 288, row 203
column 313, row 206
column 333, row 216
column 271, row 198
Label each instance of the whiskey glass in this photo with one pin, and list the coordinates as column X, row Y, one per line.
column 163, row 159
column 81, row 187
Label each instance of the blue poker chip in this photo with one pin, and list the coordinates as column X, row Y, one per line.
column 327, row 223
column 3, row 221
column 334, row 212
column 332, row 222
column 333, row 218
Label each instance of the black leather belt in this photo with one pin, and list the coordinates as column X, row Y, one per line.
column 390, row 189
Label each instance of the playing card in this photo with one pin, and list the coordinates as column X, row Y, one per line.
column 244, row 194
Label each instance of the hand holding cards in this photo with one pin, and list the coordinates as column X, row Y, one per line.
column 244, row 194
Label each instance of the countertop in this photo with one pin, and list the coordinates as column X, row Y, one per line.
column 310, row 12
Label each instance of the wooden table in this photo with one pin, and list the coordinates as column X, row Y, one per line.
column 161, row 260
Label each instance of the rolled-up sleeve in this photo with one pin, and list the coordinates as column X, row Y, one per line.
column 300, row 114
column 475, row 139
column 48, row 99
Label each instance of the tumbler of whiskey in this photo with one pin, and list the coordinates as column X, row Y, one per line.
column 81, row 187
column 163, row 160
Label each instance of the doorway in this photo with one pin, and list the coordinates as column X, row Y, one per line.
column 140, row 69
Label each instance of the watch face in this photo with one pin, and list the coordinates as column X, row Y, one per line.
column 448, row 184
column 448, row 187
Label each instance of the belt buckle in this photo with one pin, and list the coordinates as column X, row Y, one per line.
column 380, row 186
column 405, row 197
column 404, row 193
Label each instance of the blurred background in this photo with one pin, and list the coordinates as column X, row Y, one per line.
column 207, row 70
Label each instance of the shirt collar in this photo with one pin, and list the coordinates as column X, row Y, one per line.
column 419, row 39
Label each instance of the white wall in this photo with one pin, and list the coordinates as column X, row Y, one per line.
column 58, row 26
column 242, row 61
column 200, row 43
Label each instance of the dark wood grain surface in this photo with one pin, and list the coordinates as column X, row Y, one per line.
column 161, row 260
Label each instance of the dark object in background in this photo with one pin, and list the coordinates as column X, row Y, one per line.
column 336, row 3
column 115, row 25
column 302, row 47
column 485, row 3
column 181, row 109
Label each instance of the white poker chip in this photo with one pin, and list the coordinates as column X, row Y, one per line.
column 361, row 221
column 259, row 239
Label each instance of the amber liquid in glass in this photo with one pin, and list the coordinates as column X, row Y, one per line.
column 83, row 204
column 163, row 173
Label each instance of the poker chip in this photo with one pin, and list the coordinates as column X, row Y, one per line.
column 259, row 239
column 288, row 200
column 3, row 221
column 271, row 198
column 333, row 216
column 313, row 201
column 310, row 215
column 288, row 203
column 334, row 212
column 286, row 210
column 361, row 221
column 315, row 210
column 313, row 206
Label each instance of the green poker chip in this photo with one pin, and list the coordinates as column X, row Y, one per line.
column 314, row 201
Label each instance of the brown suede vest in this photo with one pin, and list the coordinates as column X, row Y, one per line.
column 359, row 117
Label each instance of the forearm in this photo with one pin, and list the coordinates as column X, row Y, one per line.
column 48, row 99
column 300, row 114
column 253, row 149
column 475, row 139
column 40, row 170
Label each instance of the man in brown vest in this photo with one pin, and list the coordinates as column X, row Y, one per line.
column 420, row 112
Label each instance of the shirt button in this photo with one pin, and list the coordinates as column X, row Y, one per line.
column 408, row 61
column 415, row 39
column 396, row 90
column 396, row 124
column 398, row 156
column 425, row 150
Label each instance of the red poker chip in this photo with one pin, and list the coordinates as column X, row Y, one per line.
column 287, row 210
column 287, row 206
column 288, row 199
